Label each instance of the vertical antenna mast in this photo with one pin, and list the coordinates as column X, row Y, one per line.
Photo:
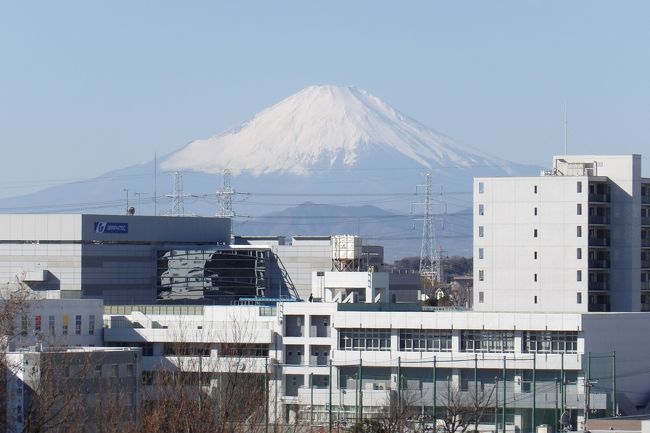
column 155, row 184
column 224, row 195
column 565, row 130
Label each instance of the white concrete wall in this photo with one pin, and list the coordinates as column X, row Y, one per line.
column 513, row 257
column 527, row 273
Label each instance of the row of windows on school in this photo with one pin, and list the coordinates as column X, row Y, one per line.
column 61, row 326
column 487, row 341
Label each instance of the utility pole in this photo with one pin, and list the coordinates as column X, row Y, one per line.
column 496, row 404
column 330, row 399
column 614, row 411
column 534, row 390
column 126, row 209
column 503, row 415
column 137, row 196
column 435, row 379
column 587, row 380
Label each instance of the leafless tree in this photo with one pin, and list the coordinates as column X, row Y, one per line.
column 463, row 409
column 196, row 391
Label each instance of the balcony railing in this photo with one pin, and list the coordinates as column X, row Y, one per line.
column 599, row 242
column 599, row 264
column 599, row 198
column 597, row 286
column 599, row 219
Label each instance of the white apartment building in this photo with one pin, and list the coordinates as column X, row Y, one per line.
column 574, row 239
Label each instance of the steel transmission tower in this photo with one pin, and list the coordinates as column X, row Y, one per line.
column 178, row 198
column 224, row 195
column 430, row 266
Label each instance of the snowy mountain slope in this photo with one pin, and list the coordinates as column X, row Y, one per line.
column 325, row 127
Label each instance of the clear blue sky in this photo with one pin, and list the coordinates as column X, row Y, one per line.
column 86, row 87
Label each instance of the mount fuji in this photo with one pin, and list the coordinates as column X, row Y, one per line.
column 326, row 127
column 338, row 146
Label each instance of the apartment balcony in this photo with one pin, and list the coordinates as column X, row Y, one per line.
column 645, row 221
column 645, row 199
column 598, row 286
column 599, row 198
column 645, row 243
column 599, row 219
column 599, row 242
column 599, row 263
column 645, row 285
column 645, row 264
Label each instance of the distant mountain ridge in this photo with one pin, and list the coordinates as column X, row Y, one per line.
column 399, row 233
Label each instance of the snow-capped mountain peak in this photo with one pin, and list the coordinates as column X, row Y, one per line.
column 324, row 126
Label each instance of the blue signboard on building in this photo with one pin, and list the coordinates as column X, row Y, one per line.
column 111, row 228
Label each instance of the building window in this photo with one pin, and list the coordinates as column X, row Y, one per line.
column 480, row 231
column 579, row 253
column 24, row 324
column 130, row 370
column 424, row 340
column 481, row 187
column 535, row 233
column 481, row 275
column 578, row 275
column 364, row 339
column 579, row 187
column 66, row 319
column 77, row 325
column 480, row 297
column 37, row 323
column 535, row 189
column 487, row 341
column 481, row 209
column 550, row 342
column 535, row 279
column 480, row 253
column 579, row 231
column 535, row 211
column 579, row 298
column 91, row 324
column 579, row 209
column 535, row 300
column 534, row 255
column 52, row 325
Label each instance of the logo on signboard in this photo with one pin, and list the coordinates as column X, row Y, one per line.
column 106, row 227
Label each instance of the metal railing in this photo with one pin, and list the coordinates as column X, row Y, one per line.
column 599, row 219
column 599, row 242
column 600, row 198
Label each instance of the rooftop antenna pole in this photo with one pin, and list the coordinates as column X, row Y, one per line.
column 137, row 196
column 155, row 184
column 565, row 130
column 126, row 190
